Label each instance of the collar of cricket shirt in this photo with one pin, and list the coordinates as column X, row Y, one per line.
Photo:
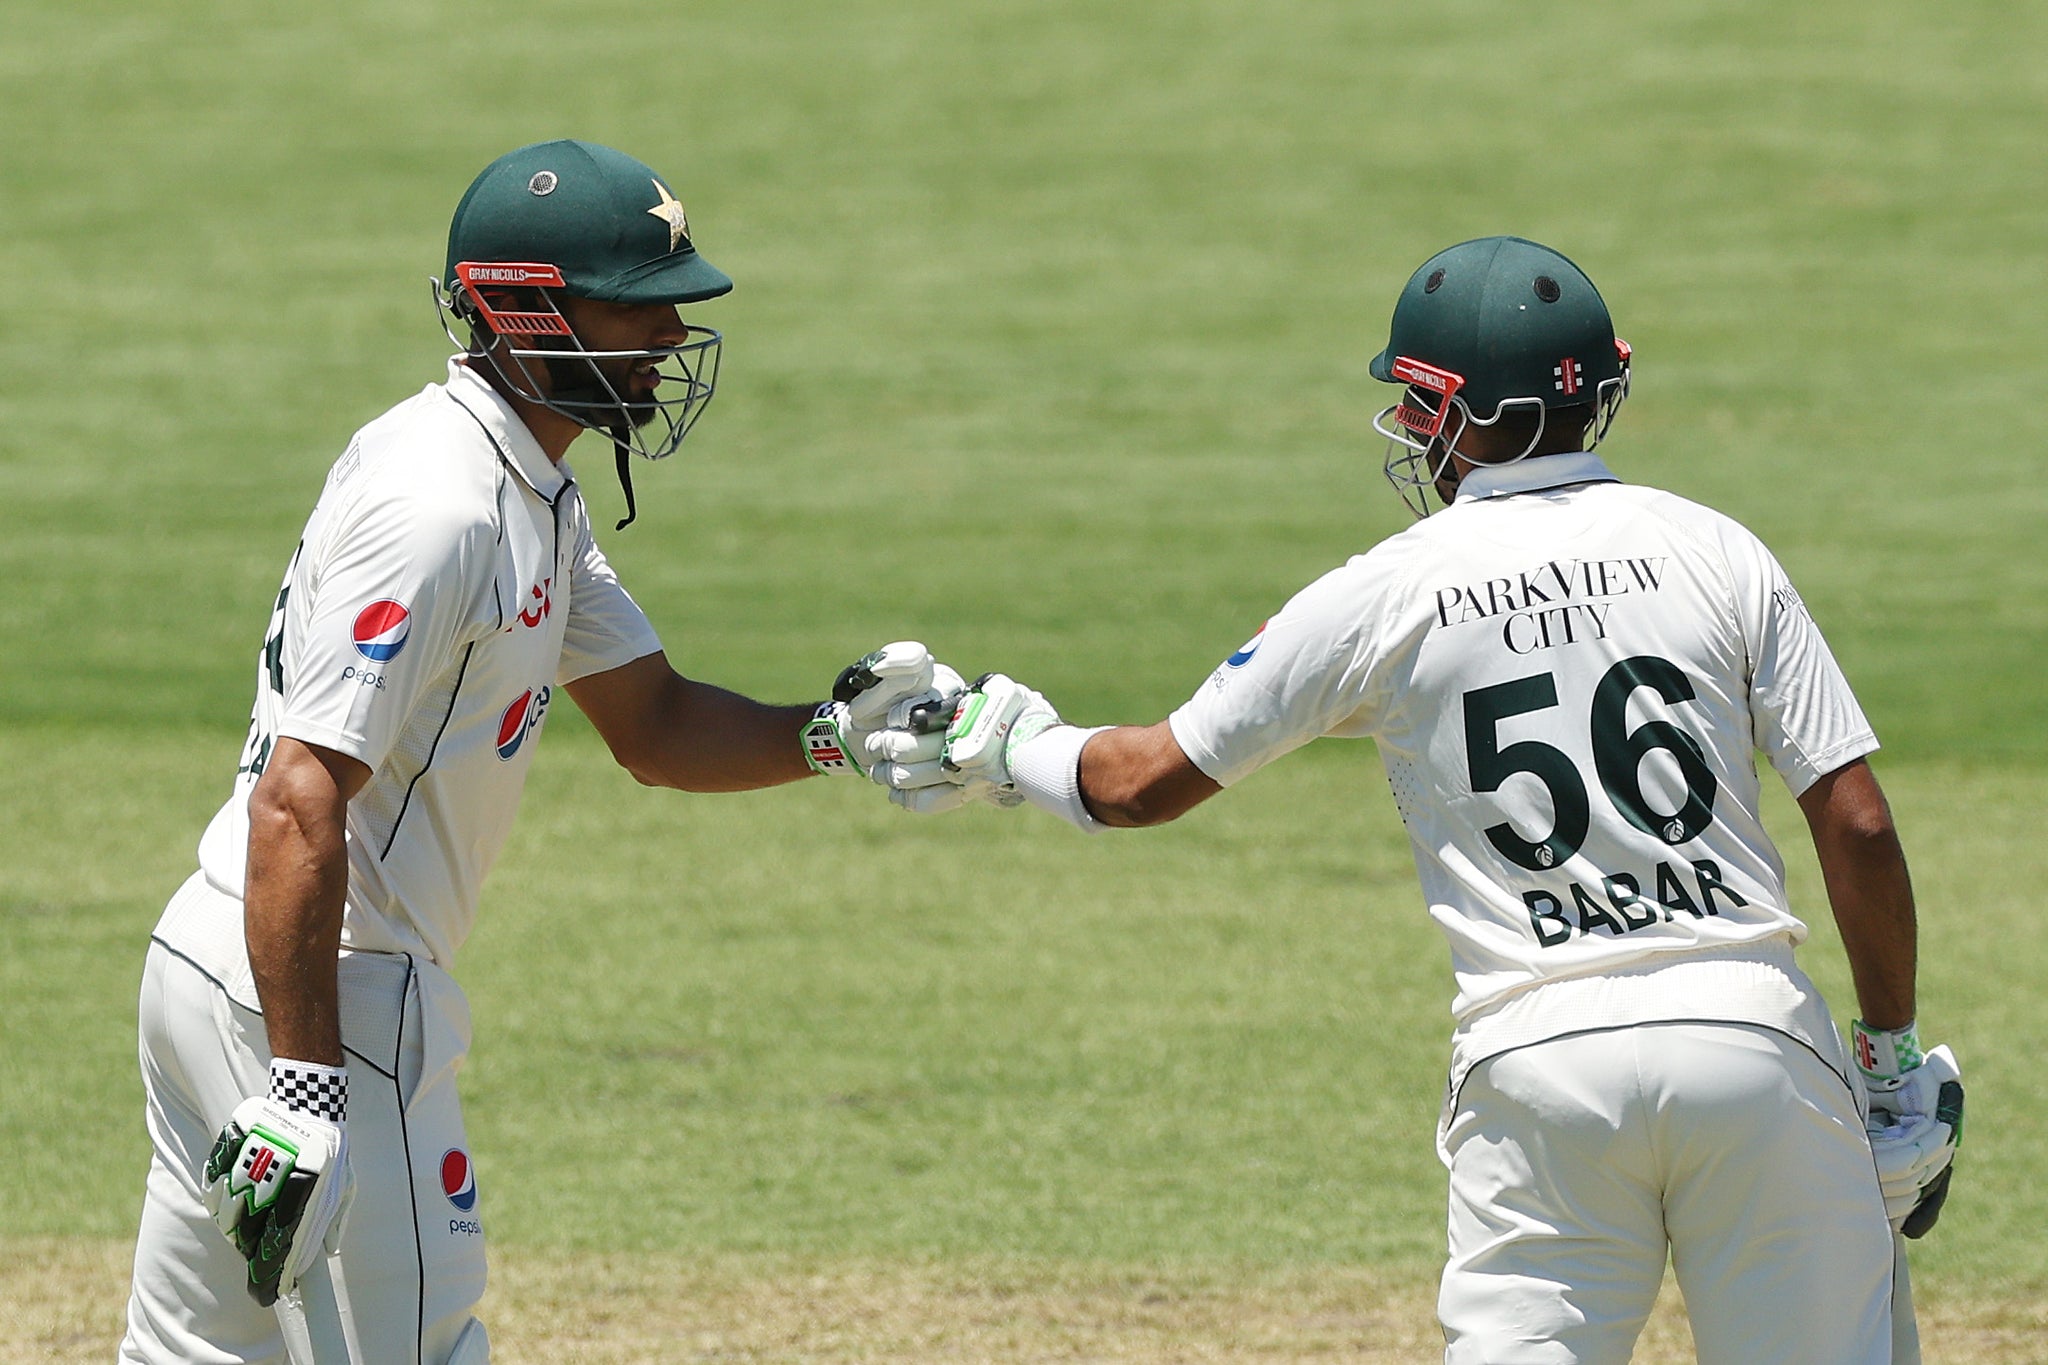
column 1537, row 472
column 506, row 431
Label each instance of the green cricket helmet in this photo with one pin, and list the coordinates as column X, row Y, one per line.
column 575, row 218
column 1485, row 327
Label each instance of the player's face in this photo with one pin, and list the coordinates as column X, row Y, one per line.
column 604, row 326
column 617, row 328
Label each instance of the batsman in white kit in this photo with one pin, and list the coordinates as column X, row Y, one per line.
column 1568, row 678
column 311, row 1193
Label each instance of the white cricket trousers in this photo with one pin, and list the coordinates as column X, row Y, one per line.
column 412, row 1251
column 1575, row 1162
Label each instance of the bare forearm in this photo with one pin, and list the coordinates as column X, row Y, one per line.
column 1134, row 776
column 1870, row 889
column 672, row 731
column 297, row 881
column 712, row 740
column 1873, row 899
column 728, row 743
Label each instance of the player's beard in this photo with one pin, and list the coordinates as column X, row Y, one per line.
column 595, row 389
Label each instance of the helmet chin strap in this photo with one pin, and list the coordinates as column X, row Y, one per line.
column 567, row 383
column 622, row 453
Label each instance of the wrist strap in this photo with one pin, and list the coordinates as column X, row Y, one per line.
column 310, row 1087
column 1046, row 770
column 824, row 745
column 1886, row 1053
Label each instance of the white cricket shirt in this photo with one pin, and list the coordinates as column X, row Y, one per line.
column 1568, row 678
column 446, row 587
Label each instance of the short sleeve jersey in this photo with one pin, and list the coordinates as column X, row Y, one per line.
column 1568, row 679
column 446, row 586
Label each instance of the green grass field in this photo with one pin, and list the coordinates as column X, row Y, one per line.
column 1048, row 348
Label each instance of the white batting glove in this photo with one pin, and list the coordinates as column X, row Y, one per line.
column 1915, row 1122
column 998, row 715
column 907, row 750
column 999, row 725
column 918, row 779
column 923, row 793
column 877, row 705
column 277, row 1180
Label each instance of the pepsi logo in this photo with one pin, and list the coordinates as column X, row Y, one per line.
column 381, row 628
column 521, row 719
column 1245, row 651
column 458, row 1179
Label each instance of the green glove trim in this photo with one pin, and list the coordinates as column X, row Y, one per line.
column 1886, row 1054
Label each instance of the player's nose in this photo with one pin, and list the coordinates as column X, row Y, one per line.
column 669, row 327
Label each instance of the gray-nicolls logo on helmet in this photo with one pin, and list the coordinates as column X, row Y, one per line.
column 1498, row 336
column 578, row 219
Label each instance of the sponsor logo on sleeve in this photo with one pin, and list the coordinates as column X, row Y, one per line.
column 1227, row 670
column 1246, row 650
column 381, row 629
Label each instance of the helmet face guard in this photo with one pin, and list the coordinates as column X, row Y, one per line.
column 1423, row 429
column 514, row 339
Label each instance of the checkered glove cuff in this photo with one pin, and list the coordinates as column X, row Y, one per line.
column 321, row 1091
column 1886, row 1054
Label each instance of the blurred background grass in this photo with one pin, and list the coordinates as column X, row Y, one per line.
column 1049, row 348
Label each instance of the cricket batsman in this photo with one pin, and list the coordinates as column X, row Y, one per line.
column 311, row 1193
column 1568, row 678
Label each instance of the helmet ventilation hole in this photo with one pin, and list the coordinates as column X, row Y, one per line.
column 1546, row 289
column 1434, row 282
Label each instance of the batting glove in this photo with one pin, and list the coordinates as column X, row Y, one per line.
column 913, row 767
column 277, row 1181
column 997, row 715
column 878, row 705
column 993, row 716
column 1915, row 1121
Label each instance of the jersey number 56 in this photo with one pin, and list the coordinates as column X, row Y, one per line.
column 1618, row 753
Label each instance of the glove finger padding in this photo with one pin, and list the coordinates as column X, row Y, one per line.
column 1916, row 1124
column 935, row 800
column 951, row 794
column 1948, row 1111
column 276, row 1182
column 913, row 776
column 1909, row 1156
column 1927, row 1212
column 876, row 682
column 901, row 746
